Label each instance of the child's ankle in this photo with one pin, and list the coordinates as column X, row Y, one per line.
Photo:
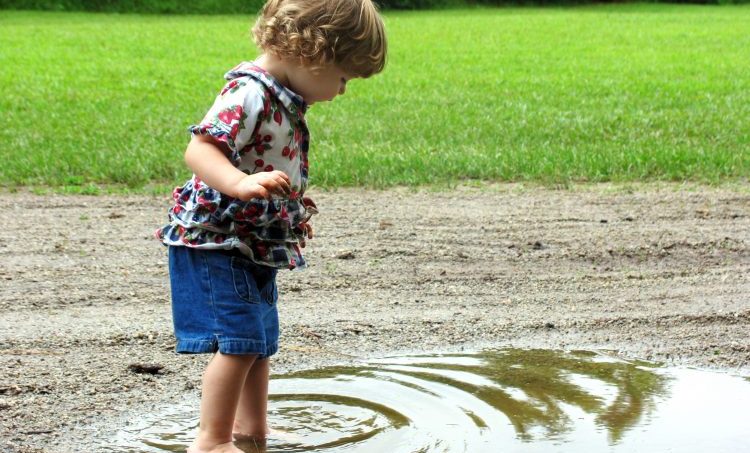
column 246, row 433
column 205, row 442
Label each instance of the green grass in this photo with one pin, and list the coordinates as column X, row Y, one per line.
column 551, row 95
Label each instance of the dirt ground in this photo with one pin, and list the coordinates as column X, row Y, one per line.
column 652, row 272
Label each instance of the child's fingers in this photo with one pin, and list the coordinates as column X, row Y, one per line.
column 275, row 185
column 283, row 180
column 255, row 191
column 264, row 193
column 283, row 175
column 307, row 230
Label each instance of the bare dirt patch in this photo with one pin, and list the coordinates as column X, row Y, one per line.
column 659, row 273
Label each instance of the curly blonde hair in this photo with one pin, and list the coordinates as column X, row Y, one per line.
column 347, row 33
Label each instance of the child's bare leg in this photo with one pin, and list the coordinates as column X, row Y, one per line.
column 250, row 420
column 223, row 380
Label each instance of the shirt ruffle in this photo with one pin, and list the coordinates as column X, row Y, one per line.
column 267, row 231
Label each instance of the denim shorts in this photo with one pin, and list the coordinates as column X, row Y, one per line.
column 222, row 301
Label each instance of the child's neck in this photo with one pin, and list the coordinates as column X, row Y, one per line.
column 275, row 66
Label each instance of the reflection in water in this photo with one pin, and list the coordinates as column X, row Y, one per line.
column 517, row 400
column 545, row 378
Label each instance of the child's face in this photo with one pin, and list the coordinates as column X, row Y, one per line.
column 318, row 85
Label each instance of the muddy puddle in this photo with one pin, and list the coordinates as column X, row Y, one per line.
column 494, row 400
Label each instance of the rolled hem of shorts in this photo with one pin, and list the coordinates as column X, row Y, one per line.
column 227, row 346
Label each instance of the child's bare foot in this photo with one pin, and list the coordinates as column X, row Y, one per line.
column 220, row 448
column 252, row 445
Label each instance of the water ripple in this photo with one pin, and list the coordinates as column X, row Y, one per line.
column 520, row 400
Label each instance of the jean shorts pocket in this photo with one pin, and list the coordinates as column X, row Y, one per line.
column 253, row 283
column 244, row 283
column 270, row 292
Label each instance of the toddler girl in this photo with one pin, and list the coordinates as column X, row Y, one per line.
column 243, row 215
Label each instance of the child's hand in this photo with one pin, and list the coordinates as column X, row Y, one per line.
column 305, row 228
column 263, row 184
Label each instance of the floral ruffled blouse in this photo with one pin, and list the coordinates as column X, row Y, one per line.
column 263, row 124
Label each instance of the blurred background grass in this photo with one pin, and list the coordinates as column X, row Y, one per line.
column 551, row 95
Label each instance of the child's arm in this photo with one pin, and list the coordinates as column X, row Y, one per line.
column 208, row 160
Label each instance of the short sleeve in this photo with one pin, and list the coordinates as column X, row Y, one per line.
column 234, row 115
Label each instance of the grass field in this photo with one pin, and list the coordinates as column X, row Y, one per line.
column 606, row 93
